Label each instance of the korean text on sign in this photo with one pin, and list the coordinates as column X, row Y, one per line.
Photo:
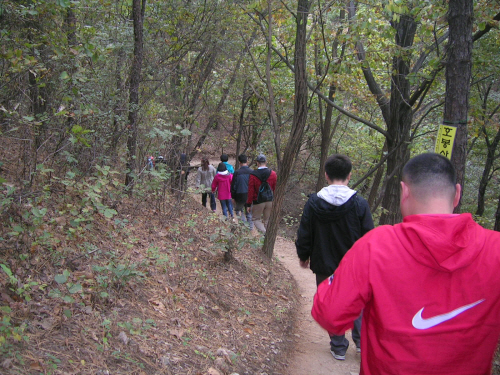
column 445, row 140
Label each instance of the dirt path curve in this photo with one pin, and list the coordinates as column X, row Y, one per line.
column 312, row 353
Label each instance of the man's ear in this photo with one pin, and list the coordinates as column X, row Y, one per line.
column 405, row 191
column 327, row 179
column 458, row 195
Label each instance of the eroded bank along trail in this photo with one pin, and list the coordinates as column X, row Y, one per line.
column 311, row 355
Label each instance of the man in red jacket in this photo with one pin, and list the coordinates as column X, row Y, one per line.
column 429, row 286
column 260, row 210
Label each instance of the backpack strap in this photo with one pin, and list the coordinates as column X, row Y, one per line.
column 264, row 179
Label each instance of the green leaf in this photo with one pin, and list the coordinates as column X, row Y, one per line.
column 63, row 3
column 67, row 313
column 75, row 288
column 61, row 279
column 5, row 309
column 39, row 212
column 68, row 299
column 109, row 213
column 64, row 75
column 17, row 229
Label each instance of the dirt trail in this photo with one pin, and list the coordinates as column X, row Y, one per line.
column 312, row 352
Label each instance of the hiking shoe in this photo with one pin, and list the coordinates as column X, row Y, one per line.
column 338, row 357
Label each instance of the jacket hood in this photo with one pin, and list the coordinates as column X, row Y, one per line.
column 226, row 172
column 326, row 211
column 443, row 242
column 336, row 194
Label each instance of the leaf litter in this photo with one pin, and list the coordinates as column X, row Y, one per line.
column 154, row 296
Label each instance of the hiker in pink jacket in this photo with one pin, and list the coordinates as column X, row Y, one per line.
column 222, row 183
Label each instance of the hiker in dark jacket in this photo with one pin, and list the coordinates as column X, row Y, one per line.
column 239, row 190
column 332, row 220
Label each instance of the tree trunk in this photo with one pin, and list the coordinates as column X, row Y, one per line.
column 245, row 98
column 400, row 119
column 497, row 217
column 376, row 182
column 135, row 80
column 458, row 76
column 214, row 118
column 275, row 124
column 298, row 124
column 326, row 130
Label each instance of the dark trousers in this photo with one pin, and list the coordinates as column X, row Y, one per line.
column 212, row 200
column 339, row 344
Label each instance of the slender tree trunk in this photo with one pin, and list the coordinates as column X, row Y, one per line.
column 275, row 124
column 326, row 129
column 376, row 182
column 245, row 97
column 485, row 178
column 497, row 217
column 400, row 119
column 135, row 80
column 298, row 125
column 458, row 76
column 116, row 131
column 214, row 118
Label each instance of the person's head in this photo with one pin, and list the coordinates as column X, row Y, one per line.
column 338, row 168
column 242, row 159
column 221, row 167
column 224, row 158
column 204, row 163
column 261, row 159
column 429, row 186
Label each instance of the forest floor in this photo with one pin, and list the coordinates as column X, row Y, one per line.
column 151, row 290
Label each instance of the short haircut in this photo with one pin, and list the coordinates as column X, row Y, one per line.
column 430, row 175
column 338, row 167
column 224, row 157
column 242, row 158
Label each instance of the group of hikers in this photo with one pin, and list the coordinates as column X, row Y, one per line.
column 251, row 190
column 422, row 296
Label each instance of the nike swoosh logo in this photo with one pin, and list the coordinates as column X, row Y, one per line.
column 420, row 323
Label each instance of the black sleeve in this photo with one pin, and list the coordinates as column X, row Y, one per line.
column 304, row 242
column 233, row 184
column 365, row 218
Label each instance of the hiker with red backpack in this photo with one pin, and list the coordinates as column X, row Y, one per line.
column 261, row 187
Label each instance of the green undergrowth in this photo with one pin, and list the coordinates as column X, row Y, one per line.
column 94, row 279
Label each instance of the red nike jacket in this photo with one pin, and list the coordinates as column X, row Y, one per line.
column 430, row 290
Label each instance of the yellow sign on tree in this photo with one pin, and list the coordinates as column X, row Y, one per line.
column 445, row 140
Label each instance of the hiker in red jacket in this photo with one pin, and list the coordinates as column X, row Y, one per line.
column 428, row 287
column 261, row 210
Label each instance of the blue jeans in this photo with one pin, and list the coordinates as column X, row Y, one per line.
column 226, row 205
column 212, row 200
